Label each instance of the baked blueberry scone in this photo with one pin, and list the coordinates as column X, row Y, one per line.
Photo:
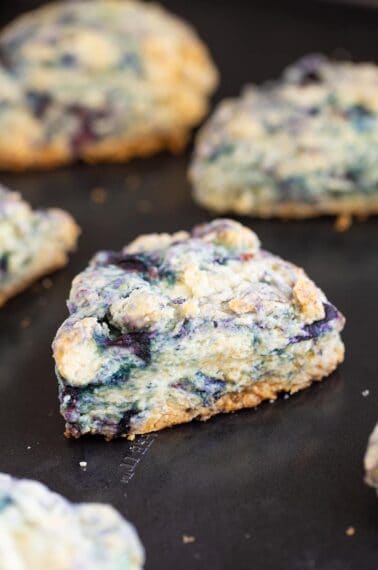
column 302, row 146
column 32, row 242
column 184, row 326
column 42, row 530
column 99, row 80
column 371, row 460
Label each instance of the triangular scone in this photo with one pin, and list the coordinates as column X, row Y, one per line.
column 32, row 242
column 41, row 530
column 105, row 81
column 184, row 326
column 371, row 460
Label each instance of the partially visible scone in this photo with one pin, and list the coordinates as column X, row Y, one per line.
column 371, row 460
column 184, row 326
column 305, row 145
column 99, row 80
column 32, row 242
column 41, row 530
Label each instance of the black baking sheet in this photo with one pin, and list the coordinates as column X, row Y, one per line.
column 271, row 489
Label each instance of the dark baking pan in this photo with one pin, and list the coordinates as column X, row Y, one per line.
column 271, row 489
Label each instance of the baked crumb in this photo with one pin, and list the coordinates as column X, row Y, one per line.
column 99, row 195
column 46, row 283
column 343, row 222
column 365, row 393
column 350, row 531
column 144, row 206
column 188, row 539
column 133, row 182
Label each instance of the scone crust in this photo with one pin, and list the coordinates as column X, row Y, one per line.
column 151, row 59
column 300, row 147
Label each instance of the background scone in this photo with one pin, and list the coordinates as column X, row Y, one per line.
column 32, row 242
column 42, row 530
column 184, row 326
column 371, row 460
column 305, row 145
column 99, row 80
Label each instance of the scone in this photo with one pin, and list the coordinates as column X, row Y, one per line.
column 32, row 242
column 305, row 145
column 99, row 80
column 371, row 460
column 184, row 326
column 40, row 530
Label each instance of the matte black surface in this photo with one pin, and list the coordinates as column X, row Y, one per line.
column 269, row 489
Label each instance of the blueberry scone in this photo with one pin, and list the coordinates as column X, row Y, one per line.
column 305, row 145
column 184, row 326
column 32, row 242
column 41, row 530
column 371, row 460
column 99, row 80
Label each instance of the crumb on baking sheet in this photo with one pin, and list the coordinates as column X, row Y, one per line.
column 343, row 222
column 350, row 531
column 47, row 283
column 144, row 206
column 133, row 182
column 25, row 323
column 188, row 539
column 365, row 392
column 83, row 464
column 99, row 195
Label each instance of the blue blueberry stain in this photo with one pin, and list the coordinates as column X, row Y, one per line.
column 39, row 102
column 139, row 342
column 317, row 328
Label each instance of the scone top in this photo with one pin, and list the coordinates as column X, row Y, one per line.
column 165, row 288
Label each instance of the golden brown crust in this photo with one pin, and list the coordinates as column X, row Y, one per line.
column 358, row 206
column 109, row 150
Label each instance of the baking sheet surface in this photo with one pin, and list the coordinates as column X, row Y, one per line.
column 275, row 488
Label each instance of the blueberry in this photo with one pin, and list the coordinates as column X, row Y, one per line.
column 39, row 102
column 309, row 70
column 361, row 118
column 72, row 392
column 3, row 264
column 124, row 423
column 5, row 502
column 131, row 61
column 208, row 388
column 139, row 342
column 68, row 60
column 134, row 263
column 86, row 132
column 220, row 151
column 317, row 328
